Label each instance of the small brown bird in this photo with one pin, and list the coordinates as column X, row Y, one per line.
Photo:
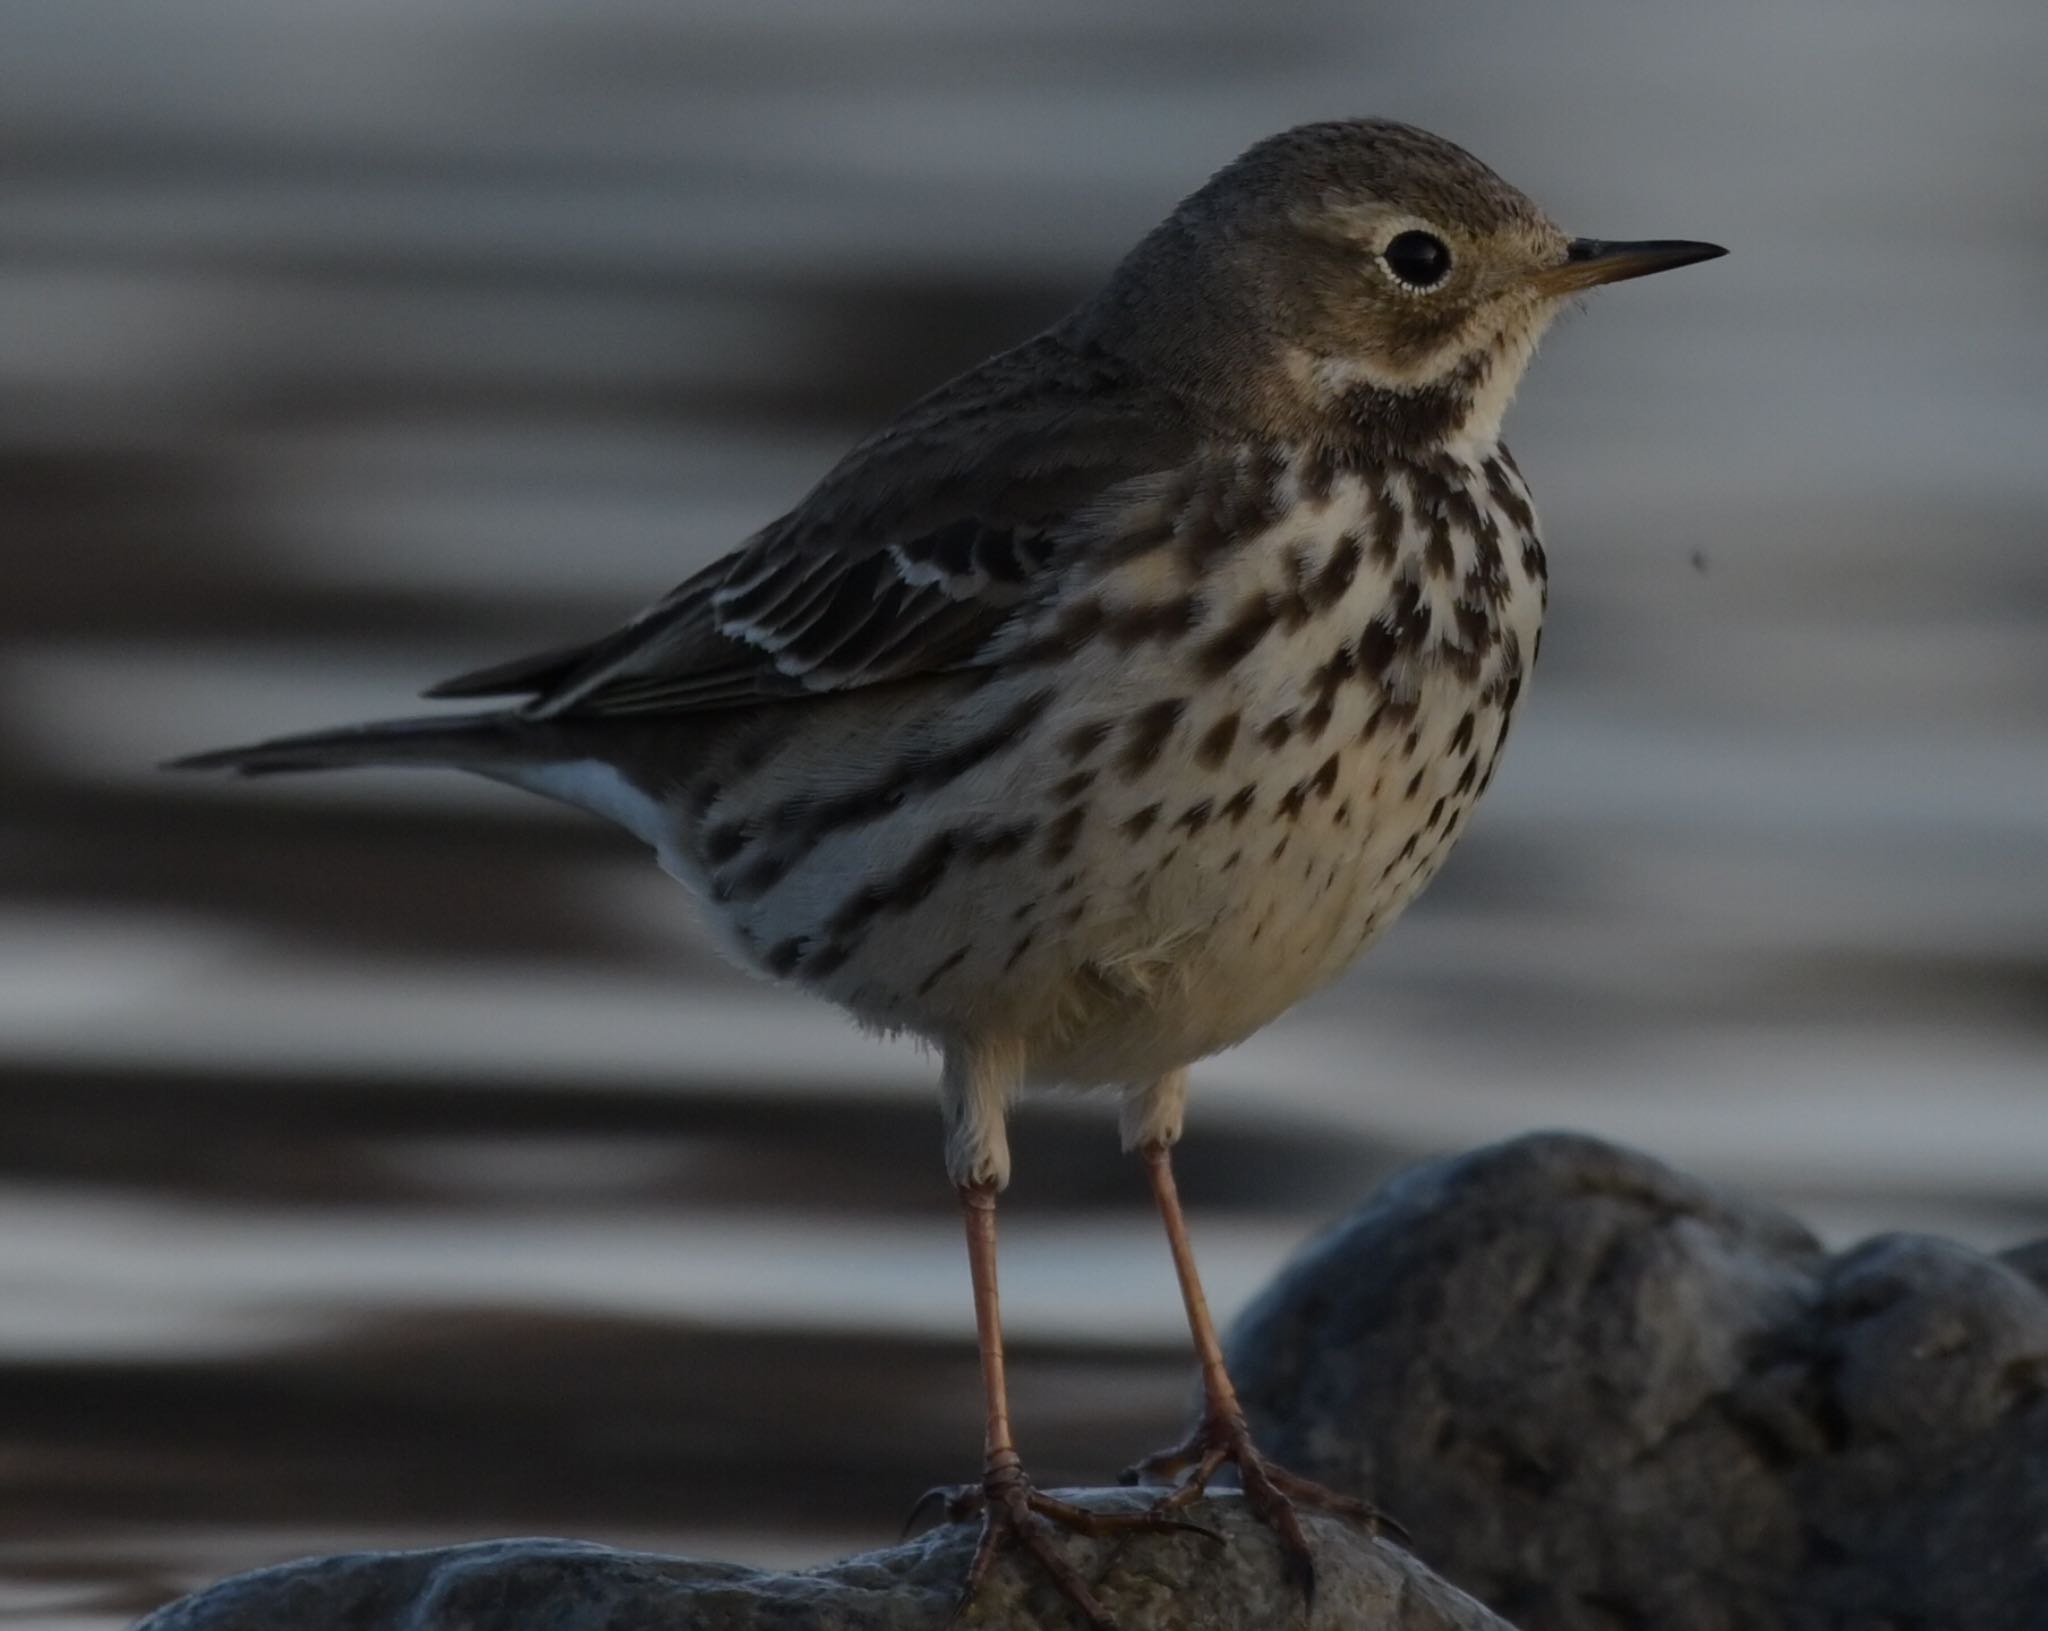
column 1115, row 696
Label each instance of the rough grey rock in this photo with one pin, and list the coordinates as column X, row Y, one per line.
column 1605, row 1397
column 1151, row 1582
column 1601, row 1396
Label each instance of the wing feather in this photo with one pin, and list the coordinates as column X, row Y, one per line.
column 906, row 559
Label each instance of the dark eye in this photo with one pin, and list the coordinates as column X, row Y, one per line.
column 1419, row 259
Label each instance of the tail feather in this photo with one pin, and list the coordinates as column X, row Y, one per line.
column 452, row 741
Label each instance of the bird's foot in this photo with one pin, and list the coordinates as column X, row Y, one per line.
column 1015, row 1513
column 1270, row 1490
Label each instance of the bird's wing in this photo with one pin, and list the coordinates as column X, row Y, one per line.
column 905, row 559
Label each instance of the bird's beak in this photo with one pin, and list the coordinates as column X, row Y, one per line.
column 1589, row 262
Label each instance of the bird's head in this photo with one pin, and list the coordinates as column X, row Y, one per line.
column 1358, row 278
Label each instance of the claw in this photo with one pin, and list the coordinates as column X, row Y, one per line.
column 943, row 1496
column 1310, row 1493
column 1012, row 1512
column 1271, row 1492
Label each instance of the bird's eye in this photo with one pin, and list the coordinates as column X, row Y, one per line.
column 1421, row 260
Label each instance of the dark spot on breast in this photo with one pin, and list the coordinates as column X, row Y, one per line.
column 1238, row 638
column 921, row 770
column 921, row 874
column 1475, row 625
column 1377, row 648
column 1217, row 741
column 857, row 909
column 906, row 888
column 1415, row 783
column 1083, row 740
column 1076, row 624
column 1324, row 684
column 942, row 968
column 1386, row 524
column 1468, row 776
column 1486, row 584
column 1164, row 620
column 758, row 877
column 1461, row 738
column 1507, row 492
column 1196, row 816
column 1064, row 833
column 1324, row 781
column 1069, row 788
column 1429, row 481
column 1464, row 663
column 1439, row 557
column 1339, row 572
column 1317, row 474
column 1408, row 617
column 1025, row 941
column 1138, row 825
column 1078, row 620
column 997, row 843
column 1464, row 512
column 1342, row 814
column 1277, row 730
column 1291, row 802
column 1436, row 814
column 1239, row 804
column 1291, row 605
column 828, row 959
column 1145, row 736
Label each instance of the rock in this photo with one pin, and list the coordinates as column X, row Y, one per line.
column 1601, row 1397
column 1605, row 1397
column 1151, row 1582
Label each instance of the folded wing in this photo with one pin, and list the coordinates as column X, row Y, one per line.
column 906, row 559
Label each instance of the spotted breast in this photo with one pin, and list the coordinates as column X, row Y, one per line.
column 1194, row 787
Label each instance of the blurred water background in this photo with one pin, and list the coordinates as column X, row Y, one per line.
column 387, row 1160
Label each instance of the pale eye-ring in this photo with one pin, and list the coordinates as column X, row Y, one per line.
column 1419, row 260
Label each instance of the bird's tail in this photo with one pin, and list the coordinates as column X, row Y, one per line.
column 480, row 741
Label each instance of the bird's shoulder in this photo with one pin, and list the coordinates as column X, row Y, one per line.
column 907, row 557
